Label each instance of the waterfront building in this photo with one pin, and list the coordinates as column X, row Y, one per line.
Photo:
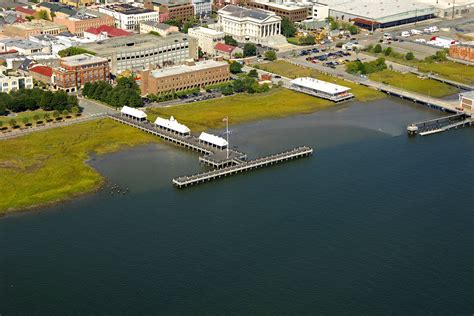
column 13, row 83
column 132, row 113
column 128, row 17
column 467, row 100
column 245, row 24
column 321, row 89
column 213, row 140
column 184, row 77
column 34, row 27
column 75, row 71
column 104, row 32
column 207, row 38
column 172, row 125
column 144, row 51
column 463, row 51
column 160, row 28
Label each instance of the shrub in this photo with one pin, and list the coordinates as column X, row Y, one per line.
column 409, row 56
column 377, row 49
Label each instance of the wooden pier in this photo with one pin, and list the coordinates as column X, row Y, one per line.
column 438, row 125
column 242, row 167
column 226, row 162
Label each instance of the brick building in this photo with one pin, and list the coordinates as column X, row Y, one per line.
column 78, row 23
column 183, row 77
column 41, row 73
column 180, row 10
column 291, row 11
column 75, row 71
column 464, row 51
column 34, row 27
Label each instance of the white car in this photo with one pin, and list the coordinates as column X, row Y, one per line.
column 416, row 32
column 405, row 34
column 420, row 40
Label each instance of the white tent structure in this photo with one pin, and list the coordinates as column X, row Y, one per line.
column 213, row 140
column 132, row 113
column 172, row 125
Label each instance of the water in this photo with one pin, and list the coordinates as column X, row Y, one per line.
column 374, row 223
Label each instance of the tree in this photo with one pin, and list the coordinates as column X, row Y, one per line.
column 253, row 73
column 288, row 28
column 270, row 55
column 36, row 117
column 388, row 51
column 250, row 50
column 46, row 116
column 200, row 52
column 227, row 90
column 43, row 14
column 377, row 49
column 409, row 56
column 46, row 100
column 75, row 110
column 186, row 27
column 65, row 112
column 229, row 40
column 25, row 120
column 56, row 114
column 308, row 40
column 235, row 68
column 238, row 85
column 353, row 29
column 71, row 51
column 12, row 123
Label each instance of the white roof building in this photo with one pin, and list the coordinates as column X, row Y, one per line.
column 133, row 112
column 213, row 139
column 172, row 124
column 319, row 85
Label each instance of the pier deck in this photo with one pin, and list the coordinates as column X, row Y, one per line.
column 243, row 166
column 441, row 124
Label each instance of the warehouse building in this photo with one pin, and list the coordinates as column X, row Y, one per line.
column 464, row 51
column 145, row 51
column 372, row 14
column 321, row 89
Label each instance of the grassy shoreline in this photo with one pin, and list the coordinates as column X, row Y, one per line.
column 51, row 166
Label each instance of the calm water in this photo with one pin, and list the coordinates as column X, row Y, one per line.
column 374, row 223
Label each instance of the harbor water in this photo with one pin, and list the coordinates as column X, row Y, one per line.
column 375, row 222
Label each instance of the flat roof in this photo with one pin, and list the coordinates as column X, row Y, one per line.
column 285, row 5
column 21, row 43
column 36, row 24
column 82, row 59
column 135, row 42
column 126, row 8
column 319, row 85
column 159, row 25
column 180, row 69
column 383, row 9
column 206, row 30
column 241, row 12
column 468, row 95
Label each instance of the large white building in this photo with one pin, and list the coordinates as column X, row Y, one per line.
column 12, row 83
column 202, row 7
column 251, row 25
column 206, row 38
column 128, row 17
column 321, row 89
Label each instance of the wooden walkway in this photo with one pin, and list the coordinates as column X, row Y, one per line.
column 242, row 167
column 441, row 124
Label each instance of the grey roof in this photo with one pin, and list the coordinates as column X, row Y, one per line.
column 21, row 43
column 469, row 94
column 241, row 12
column 125, row 8
column 161, row 26
column 58, row 7
column 82, row 59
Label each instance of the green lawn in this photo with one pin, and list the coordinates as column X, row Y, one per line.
column 28, row 114
column 450, row 70
column 413, row 83
column 278, row 102
column 50, row 165
column 286, row 69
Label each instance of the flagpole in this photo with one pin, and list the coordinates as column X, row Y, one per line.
column 227, row 132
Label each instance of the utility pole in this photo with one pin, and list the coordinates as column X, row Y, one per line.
column 226, row 120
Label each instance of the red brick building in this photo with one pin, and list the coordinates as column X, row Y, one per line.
column 41, row 73
column 463, row 51
column 75, row 71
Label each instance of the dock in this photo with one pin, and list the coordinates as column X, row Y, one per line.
column 441, row 124
column 295, row 153
column 225, row 162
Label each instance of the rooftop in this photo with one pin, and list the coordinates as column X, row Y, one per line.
column 171, row 3
column 43, row 70
column 172, row 124
column 213, row 139
column 285, row 5
column 383, row 9
column 206, row 30
column 38, row 24
column 58, row 7
column 25, row 10
column 126, row 9
column 469, row 95
column 133, row 112
column 240, row 12
column 110, row 30
column 21, row 43
column 180, row 69
column 141, row 41
column 224, row 48
column 161, row 26
column 82, row 59
column 319, row 85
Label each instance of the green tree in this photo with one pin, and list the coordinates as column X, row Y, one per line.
column 71, row 51
column 43, row 14
column 12, row 123
column 409, row 56
column 308, row 40
column 270, row 55
column 36, row 118
column 56, row 114
column 378, row 49
column 250, row 50
column 227, row 90
column 75, row 110
column 235, row 67
column 253, row 73
column 388, row 51
column 25, row 120
column 46, row 116
column 229, row 40
column 288, row 28
column 65, row 112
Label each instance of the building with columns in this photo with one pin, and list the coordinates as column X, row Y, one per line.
column 248, row 25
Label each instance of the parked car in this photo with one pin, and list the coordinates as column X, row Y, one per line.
column 415, row 32
column 420, row 40
column 405, row 34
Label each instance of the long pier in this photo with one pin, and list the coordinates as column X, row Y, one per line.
column 242, row 167
column 226, row 162
column 438, row 125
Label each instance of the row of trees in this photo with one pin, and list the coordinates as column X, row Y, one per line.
column 126, row 92
column 71, row 51
column 341, row 25
column 358, row 67
column 40, row 119
column 377, row 49
column 33, row 99
column 171, row 95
